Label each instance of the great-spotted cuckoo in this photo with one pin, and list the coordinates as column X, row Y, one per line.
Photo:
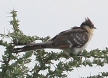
column 72, row 41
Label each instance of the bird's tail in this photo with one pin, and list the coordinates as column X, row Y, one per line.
column 34, row 46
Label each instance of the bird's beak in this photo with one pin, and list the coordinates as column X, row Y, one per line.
column 95, row 28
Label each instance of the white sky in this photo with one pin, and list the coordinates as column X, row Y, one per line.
column 49, row 17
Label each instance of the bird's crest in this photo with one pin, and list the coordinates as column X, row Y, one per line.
column 88, row 23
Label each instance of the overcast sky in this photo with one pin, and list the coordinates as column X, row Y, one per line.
column 49, row 17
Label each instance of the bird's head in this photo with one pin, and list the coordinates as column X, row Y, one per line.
column 88, row 23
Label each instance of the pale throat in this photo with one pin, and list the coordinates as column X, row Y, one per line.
column 90, row 30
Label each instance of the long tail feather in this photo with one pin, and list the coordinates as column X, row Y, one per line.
column 34, row 46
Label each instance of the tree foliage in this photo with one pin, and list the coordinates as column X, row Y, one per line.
column 44, row 64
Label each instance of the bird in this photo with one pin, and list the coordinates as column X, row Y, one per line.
column 73, row 41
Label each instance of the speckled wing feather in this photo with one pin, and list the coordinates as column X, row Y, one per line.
column 75, row 37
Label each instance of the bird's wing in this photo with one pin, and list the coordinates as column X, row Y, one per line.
column 75, row 37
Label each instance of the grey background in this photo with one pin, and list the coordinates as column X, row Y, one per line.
column 49, row 17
